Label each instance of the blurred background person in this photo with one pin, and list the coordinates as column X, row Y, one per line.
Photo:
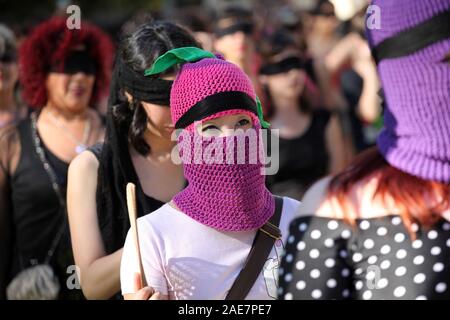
column 11, row 108
column 235, row 33
column 323, row 35
column 291, row 20
column 197, row 20
column 323, row 31
column 310, row 139
column 63, row 73
column 380, row 229
column 293, row 23
column 351, row 62
column 137, row 149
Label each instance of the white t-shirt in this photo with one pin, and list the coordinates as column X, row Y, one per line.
column 185, row 259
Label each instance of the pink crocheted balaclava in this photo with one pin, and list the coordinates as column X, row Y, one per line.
column 226, row 191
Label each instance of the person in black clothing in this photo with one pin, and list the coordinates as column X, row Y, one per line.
column 63, row 74
column 310, row 141
column 137, row 149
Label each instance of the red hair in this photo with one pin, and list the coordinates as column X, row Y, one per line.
column 50, row 43
column 418, row 200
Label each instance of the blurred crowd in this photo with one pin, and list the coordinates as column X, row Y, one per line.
column 312, row 69
column 313, row 73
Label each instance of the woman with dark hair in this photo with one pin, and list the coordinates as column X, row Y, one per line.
column 137, row 149
column 11, row 109
column 310, row 140
column 63, row 74
column 380, row 229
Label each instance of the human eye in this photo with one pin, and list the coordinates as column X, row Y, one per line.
column 243, row 122
column 209, row 127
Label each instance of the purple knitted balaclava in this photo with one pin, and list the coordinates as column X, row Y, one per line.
column 228, row 195
column 410, row 47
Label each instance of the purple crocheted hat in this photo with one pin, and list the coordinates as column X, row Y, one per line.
column 410, row 48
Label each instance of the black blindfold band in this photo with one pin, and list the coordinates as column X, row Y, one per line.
column 142, row 88
column 8, row 58
column 284, row 65
column 218, row 102
column 76, row 61
column 412, row 40
column 245, row 27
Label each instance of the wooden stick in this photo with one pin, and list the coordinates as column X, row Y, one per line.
column 132, row 214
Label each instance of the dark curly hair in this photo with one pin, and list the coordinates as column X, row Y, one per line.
column 49, row 44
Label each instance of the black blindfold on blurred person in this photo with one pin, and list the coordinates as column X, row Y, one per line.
column 243, row 26
column 282, row 66
column 76, row 61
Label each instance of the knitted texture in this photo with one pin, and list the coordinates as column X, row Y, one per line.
column 199, row 80
column 416, row 137
column 225, row 195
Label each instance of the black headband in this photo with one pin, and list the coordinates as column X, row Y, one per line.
column 414, row 39
column 218, row 102
column 142, row 88
column 282, row 66
column 245, row 27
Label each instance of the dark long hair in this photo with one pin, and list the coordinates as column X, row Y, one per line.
column 125, row 125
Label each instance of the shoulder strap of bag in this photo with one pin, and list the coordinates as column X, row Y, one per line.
column 56, row 188
column 262, row 245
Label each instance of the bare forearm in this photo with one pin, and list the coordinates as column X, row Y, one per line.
column 101, row 279
column 335, row 145
column 369, row 105
column 99, row 272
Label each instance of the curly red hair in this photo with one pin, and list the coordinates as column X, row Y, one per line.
column 50, row 43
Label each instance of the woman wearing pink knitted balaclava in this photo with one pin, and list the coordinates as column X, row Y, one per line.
column 196, row 246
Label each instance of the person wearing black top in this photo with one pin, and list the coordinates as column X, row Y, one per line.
column 61, row 84
column 137, row 149
column 310, row 141
column 303, row 159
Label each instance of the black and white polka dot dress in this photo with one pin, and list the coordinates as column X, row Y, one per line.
column 375, row 259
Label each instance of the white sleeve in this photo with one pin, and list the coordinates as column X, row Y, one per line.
column 151, row 262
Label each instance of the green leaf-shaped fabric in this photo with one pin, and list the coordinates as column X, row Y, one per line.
column 175, row 56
